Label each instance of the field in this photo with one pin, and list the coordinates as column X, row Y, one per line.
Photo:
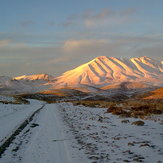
column 78, row 131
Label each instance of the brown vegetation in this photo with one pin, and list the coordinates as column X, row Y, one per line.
column 136, row 109
column 17, row 100
column 138, row 123
column 92, row 103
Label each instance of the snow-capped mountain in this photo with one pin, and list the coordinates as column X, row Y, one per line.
column 103, row 71
column 45, row 77
column 24, row 84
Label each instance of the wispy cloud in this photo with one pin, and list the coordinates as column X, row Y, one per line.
column 106, row 16
column 4, row 43
column 26, row 23
column 51, row 23
column 119, row 46
column 71, row 53
column 72, row 45
column 91, row 19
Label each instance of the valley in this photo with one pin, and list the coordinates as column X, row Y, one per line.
column 63, row 133
column 107, row 110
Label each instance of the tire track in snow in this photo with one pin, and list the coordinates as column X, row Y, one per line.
column 49, row 143
column 15, row 133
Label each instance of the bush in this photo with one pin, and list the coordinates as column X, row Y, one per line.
column 136, row 109
column 138, row 123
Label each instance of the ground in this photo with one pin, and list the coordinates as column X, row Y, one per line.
column 63, row 133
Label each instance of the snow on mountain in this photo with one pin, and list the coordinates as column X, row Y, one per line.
column 6, row 81
column 24, row 84
column 3, row 79
column 34, row 77
column 127, row 85
column 103, row 71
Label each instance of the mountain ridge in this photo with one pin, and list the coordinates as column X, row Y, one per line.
column 106, row 70
column 101, row 73
column 35, row 77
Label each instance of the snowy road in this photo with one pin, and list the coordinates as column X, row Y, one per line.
column 11, row 116
column 49, row 141
column 41, row 141
column 63, row 133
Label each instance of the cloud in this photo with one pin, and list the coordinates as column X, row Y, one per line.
column 52, row 23
column 102, row 14
column 72, row 45
column 108, row 17
column 19, row 58
column 3, row 65
column 90, row 18
column 124, row 46
column 7, row 44
column 128, row 11
column 4, row 43
column 26, row 23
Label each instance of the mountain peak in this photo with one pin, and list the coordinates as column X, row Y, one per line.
column 142, row 58
column 34, row 77
column 104, row 58
column 106, row 70
column 101, row 57
column 145, row 57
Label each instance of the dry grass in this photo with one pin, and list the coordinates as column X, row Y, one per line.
column 63, row 92
column 100, row 104
column 128, row 108
column 41, row 97
column 138, row 123
column 119, row 105
column 137, row 109
column 17, row 100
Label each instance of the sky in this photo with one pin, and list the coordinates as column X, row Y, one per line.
column 53, row 36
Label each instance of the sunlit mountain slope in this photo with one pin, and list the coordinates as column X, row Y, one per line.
column 102, row 71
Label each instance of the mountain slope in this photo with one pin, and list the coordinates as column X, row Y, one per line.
column 103, row 70
column 156, row 94
column 100, row 74
column 24, row 84
column 45, row 77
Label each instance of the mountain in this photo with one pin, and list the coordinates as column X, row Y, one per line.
column 103, row 71
column 24, row 84
column 127, row 85
column 45, row 77
column 155, row 94
column 100, row 75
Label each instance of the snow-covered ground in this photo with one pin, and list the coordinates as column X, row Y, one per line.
column 63, row 133
column 11, row 116
column 6, row 98
column 42, row 140
column 105, row 138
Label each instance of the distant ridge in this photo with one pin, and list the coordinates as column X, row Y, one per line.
column 100, row 74
column 34, row 77
column 24, row 84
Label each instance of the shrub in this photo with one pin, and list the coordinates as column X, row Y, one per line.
column 138, row 123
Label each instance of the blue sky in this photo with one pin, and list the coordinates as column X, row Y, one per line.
column 53, row 36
